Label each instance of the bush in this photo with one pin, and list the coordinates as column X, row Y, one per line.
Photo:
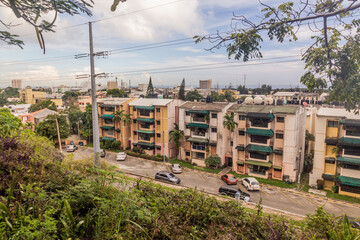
column 320, row 184
column 335, row 189
column 213, row 161
column 116, row 145
column 137, row 150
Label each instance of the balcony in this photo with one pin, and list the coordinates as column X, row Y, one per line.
column 198, row 147
column 200, row 134
column 198, row 119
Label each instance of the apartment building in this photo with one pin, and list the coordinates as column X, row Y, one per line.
column 337, row 150
column 110, row 129
column 29, row 96
column 152, row 121
column 204, row 132
column 82, row 101
column 268, row 141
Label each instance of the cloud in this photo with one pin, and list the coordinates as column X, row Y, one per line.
column 189, row 49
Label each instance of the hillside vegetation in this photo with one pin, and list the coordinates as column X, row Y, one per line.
column 44, row 196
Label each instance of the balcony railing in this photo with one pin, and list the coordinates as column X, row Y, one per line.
column 198, row 119
column 201, row 148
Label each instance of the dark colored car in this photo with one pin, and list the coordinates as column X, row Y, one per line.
column 229, row 179
column 102, row 153
column 167, row 177
column 234, row 192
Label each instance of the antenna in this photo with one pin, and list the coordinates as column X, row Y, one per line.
column 244, row 80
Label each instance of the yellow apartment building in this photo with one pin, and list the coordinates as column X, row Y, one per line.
column 337, row 150
column 29, row 96
column 110, row 129
column 152, row 121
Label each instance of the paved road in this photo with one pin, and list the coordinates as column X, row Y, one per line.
column 282, row 199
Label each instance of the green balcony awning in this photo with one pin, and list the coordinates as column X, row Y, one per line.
column 198, row 111
column 348, row 160
column 107, row 106
column 107, row 127
column 349, row 142
column 146, row 144
column 257, row 163
column 260, row 132
column 149, row 120
column 144, row 131
column 199, row 140
column 259, row 149
column 241, row 163
column 107, row 116
column 108, row 139
column 328, row 177
column 240, row 147
column 331, row 141
column 260, row 115
column 350, row 122
column 278, row 151
column 145, row 107
column 349, row 181
column 277, row 167
column 117, row 130
column 213, row 144
column 198, row 125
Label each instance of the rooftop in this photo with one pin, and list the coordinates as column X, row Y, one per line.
column 146, row 102
column 267, row 109
column 215, row 106
column 336, row 112
column 43, row 113
column 285, row 94
column 233, row 107
column 113, row 101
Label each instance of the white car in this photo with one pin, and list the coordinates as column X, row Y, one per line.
column 176, row 168
column 251, row 184
column 71, row 148
column 121, row 156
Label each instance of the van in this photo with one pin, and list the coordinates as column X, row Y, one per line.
column 234, row 192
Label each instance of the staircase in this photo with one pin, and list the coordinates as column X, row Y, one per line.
column 225, row 171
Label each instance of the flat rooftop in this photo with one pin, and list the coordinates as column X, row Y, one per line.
column 146, row 102
column 337, row 112
column 215, row 106
column 267, row 108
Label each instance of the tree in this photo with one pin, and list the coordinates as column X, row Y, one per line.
column 177, row 136
column 229, row 122
column 75, row 116
column 332, row 58
column 115, row 93
column 213, row 161
column 87, row 121
column 47, row 128
column 69, row 98
column 42, row 105
column 181, row 94
column 264, row 89
column 193, row 95
column 150, row 90
column 242, row 89
column 9, row 124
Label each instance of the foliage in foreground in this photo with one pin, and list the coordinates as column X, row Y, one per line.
column 45, row 197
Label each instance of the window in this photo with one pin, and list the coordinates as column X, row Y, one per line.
column 187, row 154
column 277, row 170
column 280, row 119
column 135, row 133
column 351, row 166
column 258, row 156
column 279, row 135
column 242, row 117
column 330, row 160
column 134, row 108
column 157, row 109
column 157, row 122
column 144, row 136
column 259, row 122
column 187, row 113
column 158, row 147
column 231, row 143
column 108, row 121
column 200, row 155
column 109, row 109
column 214, row 130
column 214, row 115
column 158, row 135
column 109, row 132
column 352, row 131
column 144, row 112
column 333, row 124
column 134, row 121
column 241, row 133
column 258, row 169
column 198, row 146
column 352, row 151
column 258, row 139
column 351, row 189
column 145, row 125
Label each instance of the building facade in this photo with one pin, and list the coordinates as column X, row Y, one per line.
column 29, row 96
column 152, row 121
column 205, row 84
column 337, row 151
column 203, row 128
column 112, row 84
column 112, row 129
column 16, row 83
column 268, row 141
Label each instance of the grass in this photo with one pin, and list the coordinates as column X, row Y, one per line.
column 330, row 194
column 273, row 182
column 189, row 165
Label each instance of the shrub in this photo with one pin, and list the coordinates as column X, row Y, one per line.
column 320, row 184
column 213, row 161
column 116, row 145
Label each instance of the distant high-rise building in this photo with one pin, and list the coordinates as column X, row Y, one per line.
column 16, row 83
column 112, row 84
column 205, row 84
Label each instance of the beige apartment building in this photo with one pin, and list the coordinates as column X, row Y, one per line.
column 16, row 83
column 152, row 121
column 337, row 150
column 268, row 141
column 29, row 96
column 204, row 132
column 111, row 129
column 205, row 84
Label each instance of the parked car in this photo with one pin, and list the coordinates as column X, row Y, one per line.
column 71, row 148
column 229, row 179
column 234, row 192
column 251, row 184
column 121, row 156
column 176, row 168
column 102, row 153
column 167, row 177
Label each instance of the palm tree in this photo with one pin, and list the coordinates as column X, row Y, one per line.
column 177, row 136
column 126, row 119
column 229, row 122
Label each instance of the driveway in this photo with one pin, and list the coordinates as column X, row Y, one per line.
column 283, row 199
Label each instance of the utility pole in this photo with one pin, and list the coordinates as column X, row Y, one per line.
column 95, row 120
column 58, row 133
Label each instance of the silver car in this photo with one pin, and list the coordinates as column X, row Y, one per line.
column 167, row 177
column 176, row 168
column 251, row 184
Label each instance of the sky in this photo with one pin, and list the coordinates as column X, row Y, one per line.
column 146, row 38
